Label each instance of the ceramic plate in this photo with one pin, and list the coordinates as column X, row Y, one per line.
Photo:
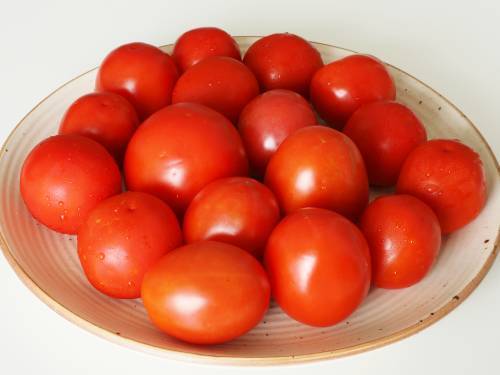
column 47, row 262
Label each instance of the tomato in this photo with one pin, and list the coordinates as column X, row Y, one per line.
column 219, row 82
column 206, row 293
column 404, row 237
column 267, row 120
column 142, row 73
column 283, row 61
column 385, row 133
column 318, row 167
column 64, row 177
column 236, row 210
column 179, row 150
column 105, row 117
column 341, row 87
column 318, row 264
column 449, row 177
column 122, row 237
column 198, row 44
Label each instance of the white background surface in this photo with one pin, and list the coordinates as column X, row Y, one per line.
column 453, row 47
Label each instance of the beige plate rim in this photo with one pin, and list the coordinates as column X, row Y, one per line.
column 246, row 361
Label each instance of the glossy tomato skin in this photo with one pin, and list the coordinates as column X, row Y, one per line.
column 221, row 83
column 385, row 133
column 449, row 177
column 64, row 177
column 318, row 167
column 318, row 264
column 105, row 117
column 122, row 237
column 341, row 87
column 283, row 61
column 197, row 44
column 206, row 293
column 179, row 150
column 270, row 118
column 141, row 73
column 404, row 237
column 236, row 210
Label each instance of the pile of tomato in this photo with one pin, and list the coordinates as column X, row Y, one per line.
column 245, row 178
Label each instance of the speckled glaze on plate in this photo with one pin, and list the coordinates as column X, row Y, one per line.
column 48, row 264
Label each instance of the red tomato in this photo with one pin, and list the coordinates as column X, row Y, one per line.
column 283, row 61
column 268, row 119
column 143, row 74
column 206, row 292
column 236, row 210
column 404, row 238
column 122, row 237
column 318, row 264
column 449, row 177
column 198, row 44
column 179, row 150
column 105, row 117
column 221, row 83
column 64, row 177
column 318, row 167
column 385, row 133
column 341, row 87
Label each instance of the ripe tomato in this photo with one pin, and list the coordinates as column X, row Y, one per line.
column 64, row 177
column 179, row 150
column 318, row 167
column 385, row 133
column 341, row 87
column 198, row 44
column 283, row 61
column 404, row 237
column 449, row 177
column 318, row 264
column 105, row 117
column 221, row 83
column 267, row 120
column 236, row 210
column 143, row 74
column 206, row 293
column 122, row 237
